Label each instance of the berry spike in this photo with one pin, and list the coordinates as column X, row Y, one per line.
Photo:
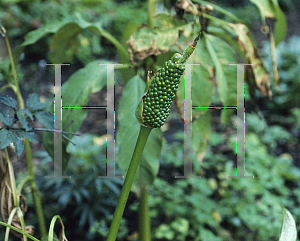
column 154, row 106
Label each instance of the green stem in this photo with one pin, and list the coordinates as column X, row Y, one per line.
column 135, row 160
column 8, row 86
column 114, row 41
column 17, row 89
column 144, row 218
column 19, row 230
column 34, row 189
column 151, row 12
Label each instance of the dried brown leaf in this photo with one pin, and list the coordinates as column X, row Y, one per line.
column 257, row 71
column 7, row 202
column 187, row 6
column 148, row 41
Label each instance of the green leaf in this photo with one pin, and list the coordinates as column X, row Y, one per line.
column 280, row 24
column 31, row 136
column 181, row 225
column 164, row 231
column 202, row 81
column 46, row 118
column 271, row 9
column 201, row 131
column 33, row 103
column 127, row 136
column 33, row 36
column 23, row 121
column 9, row 101
column 65, row 43
column 221, row 10
column 222, row 54
column 6, row 117
column 76, row 92
column 18, row 143
column 57, row 53
column 265, row 7
column 26, row 112
column 6, row 137
column 288, row 231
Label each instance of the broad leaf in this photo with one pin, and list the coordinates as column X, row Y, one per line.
column 271, row 9
column 18, row 144
column 265, row 7
column 76, row 92
column 9, row 101
column 7, row 117
column 64, row 45
column 201, row 132
column 23, row 121
column 26, row 112
column 33, row 103
column 127, row 134
column 202, row 81
column 280, row 25
column 288, row 231
column 6, row 137
column 46, row 118
column 33, row 36
column 31, row 136
column 222, row 55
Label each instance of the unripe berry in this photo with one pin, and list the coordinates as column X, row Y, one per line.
column 154, row 106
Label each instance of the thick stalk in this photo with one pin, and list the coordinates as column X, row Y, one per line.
column 135, row 160
column 144, row 218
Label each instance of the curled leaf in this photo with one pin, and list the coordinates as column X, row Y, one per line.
column 257, row 71
column 288, row 231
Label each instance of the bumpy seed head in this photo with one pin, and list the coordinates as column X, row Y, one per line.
column 155, row 104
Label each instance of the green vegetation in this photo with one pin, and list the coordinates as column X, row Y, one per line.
column 159, row 206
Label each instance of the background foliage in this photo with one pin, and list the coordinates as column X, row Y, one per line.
column 211, row 208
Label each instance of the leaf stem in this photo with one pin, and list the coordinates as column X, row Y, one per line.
column 135, row 160
column 151, row 12
column 19, row 230
column 8, row 86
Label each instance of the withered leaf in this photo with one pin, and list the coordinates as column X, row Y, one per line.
column 257, row 71
column 7, row 202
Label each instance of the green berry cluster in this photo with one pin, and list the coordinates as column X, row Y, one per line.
column 162, row 90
